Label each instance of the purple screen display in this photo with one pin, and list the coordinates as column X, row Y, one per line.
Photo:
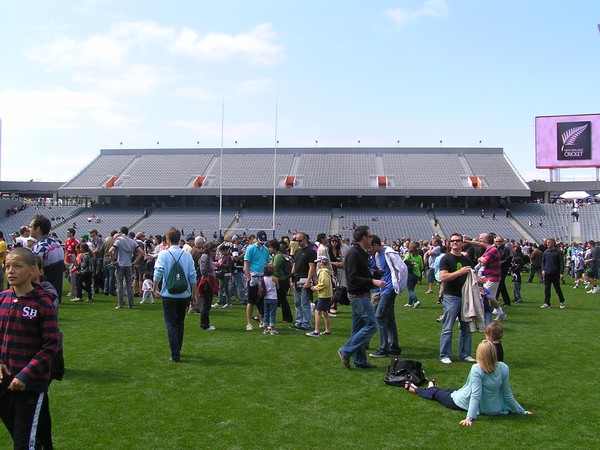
column 567, row 141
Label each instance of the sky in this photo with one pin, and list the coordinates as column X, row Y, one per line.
column 78, row 77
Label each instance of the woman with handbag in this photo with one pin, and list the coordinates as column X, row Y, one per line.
column 208, row 285
column 486, row 391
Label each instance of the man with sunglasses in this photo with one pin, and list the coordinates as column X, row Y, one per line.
column 303, row 271
column 454, row 267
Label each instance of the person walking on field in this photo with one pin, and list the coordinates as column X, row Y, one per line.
column 174, row 304
column 552, row 271
column 360, row 283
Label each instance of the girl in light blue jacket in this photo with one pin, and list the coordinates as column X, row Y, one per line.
column 486, row 391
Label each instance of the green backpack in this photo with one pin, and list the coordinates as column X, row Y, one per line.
column 177, row 282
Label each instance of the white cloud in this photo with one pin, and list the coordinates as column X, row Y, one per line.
column 138, row 39
column 256, row 45
column 134, row 79
column 196, row 94
column 59, row 108
column 65, row 53
column 252, row 86
column 430, row 8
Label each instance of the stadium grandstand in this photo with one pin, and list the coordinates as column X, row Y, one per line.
column 414, row 192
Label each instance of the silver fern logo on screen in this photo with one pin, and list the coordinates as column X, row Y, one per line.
column 574, row 140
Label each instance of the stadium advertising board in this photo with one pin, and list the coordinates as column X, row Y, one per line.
column 567, row 141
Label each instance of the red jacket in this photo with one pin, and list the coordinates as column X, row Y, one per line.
column 208, row 284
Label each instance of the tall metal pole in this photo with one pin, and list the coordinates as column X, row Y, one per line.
column 221, row 170
column 275, row 169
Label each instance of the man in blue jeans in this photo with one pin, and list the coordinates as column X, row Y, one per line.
column 126, row 249
column 454, row 267
column 175, row 305
column 394, row 273
column 360, row 282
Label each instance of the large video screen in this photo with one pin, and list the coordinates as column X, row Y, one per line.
column 567, row 141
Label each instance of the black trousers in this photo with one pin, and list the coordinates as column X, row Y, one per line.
column 282, row 301
column 552, row 279
column 502, row 291
column 84, row 281
column 26, row 415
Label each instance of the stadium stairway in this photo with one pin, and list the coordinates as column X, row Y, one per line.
column 521, row 230
column 334, row 227
column 437, row 230
column 575, row 231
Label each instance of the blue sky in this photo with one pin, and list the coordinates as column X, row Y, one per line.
column 77, row 79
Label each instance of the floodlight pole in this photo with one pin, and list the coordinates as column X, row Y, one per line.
column 275, row 168
column 221, row 171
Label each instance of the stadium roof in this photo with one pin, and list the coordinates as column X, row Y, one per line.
column 473, row 172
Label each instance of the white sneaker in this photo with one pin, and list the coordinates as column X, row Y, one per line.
column 469, row 359
column 576, row 286
column 591, row 291
column 417, row 304
column 211, row 328
column 563, row 305
column 446, row 361
column 596, row 290
column 545, row 306
column 249, row 327
column 501, row 316
column 408, row 305
column 495, row 311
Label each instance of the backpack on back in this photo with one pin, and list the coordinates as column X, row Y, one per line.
column 287, row 265
column 176, row 282
column 410, row 265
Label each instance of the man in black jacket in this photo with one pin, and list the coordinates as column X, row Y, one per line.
column 505, row 262
column 360, row 283
column 553, row 266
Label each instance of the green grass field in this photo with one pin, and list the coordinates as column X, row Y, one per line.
column 239, row 389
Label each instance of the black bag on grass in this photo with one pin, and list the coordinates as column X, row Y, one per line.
column 403, row 370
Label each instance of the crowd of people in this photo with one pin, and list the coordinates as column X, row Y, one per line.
column 192, row 275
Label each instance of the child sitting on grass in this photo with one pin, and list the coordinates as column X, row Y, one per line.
column 493, row 333
column 324, row 289
column 270, row 301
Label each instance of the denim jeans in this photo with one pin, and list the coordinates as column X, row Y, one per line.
column 270, row 312
column 363, row 328
column 109, row 278
column 302, row 299
column 411, row 282
column 224, row 295
column 517, row 290
column 239, row 287
column 386, row 323
column 452, row 307
column 124, row 281
column 174, row 310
